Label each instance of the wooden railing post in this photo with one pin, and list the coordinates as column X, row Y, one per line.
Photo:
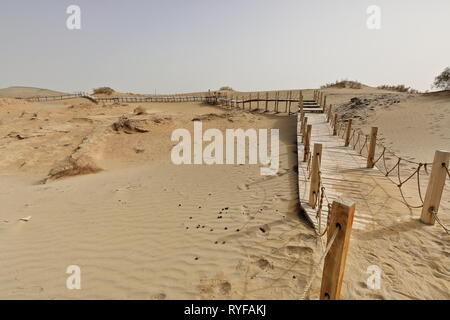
column 435, row 187
column 341, row 221
column 324, row 103
column 287, row 102
column 290, row 102
column 267, row 102
column 329, row 113
column 277, row 102
column 372, row 146
column 335, row 124
column 304, row 124
column 348, row 131
column 302, row 117
column 307, row 143
column 300, row 102
column 257, row 101
column 315, row 178
column 299, row 98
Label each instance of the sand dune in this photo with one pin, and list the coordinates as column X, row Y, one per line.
column 141, row 227
column 25, row 92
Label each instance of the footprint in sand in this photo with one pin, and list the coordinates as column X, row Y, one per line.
column 307, row 238
column 263, row 264
column 159, row 296
column 215, row 287
column 298, row 251
column 244, row 210
column 243, row 186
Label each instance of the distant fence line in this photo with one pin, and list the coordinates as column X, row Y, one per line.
column 229, row 99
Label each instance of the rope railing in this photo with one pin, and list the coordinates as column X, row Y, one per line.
column 398, row 172
column 319, row 263
column 359, row 141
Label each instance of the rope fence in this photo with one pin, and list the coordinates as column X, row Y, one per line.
column 398, row 170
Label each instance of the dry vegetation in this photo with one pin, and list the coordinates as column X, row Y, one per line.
column 398, row 88
column 343, row 84
column 104, row 90
column 442, row 81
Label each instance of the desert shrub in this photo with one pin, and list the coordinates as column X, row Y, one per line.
column 226, row 88
column 442, row 81
column 104, row 90
column 398, row 88
column 343, row 84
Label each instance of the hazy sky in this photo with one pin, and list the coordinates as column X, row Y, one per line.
column 192, row 45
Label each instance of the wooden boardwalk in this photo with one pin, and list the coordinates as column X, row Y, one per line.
column 346, row 178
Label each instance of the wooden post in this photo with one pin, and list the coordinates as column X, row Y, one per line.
column 250, row 102
column 304, row 124
column 277, row 96
column 324, row 103
column 341, row 219
column 347, row 133
column 335, row 124
column 435, row 187
column 302, row 118
column 287, row 102
column 329, row 113
column 372, row 145
column 257, row 101
column 315, row 178
column 267, row 102
column 307, row 142
column 290, row 102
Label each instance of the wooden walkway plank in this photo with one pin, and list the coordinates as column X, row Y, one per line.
column 345, row 176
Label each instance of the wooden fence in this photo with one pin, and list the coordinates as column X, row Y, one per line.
column 288, row 104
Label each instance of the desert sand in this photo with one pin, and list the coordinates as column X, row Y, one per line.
column 100, row 191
